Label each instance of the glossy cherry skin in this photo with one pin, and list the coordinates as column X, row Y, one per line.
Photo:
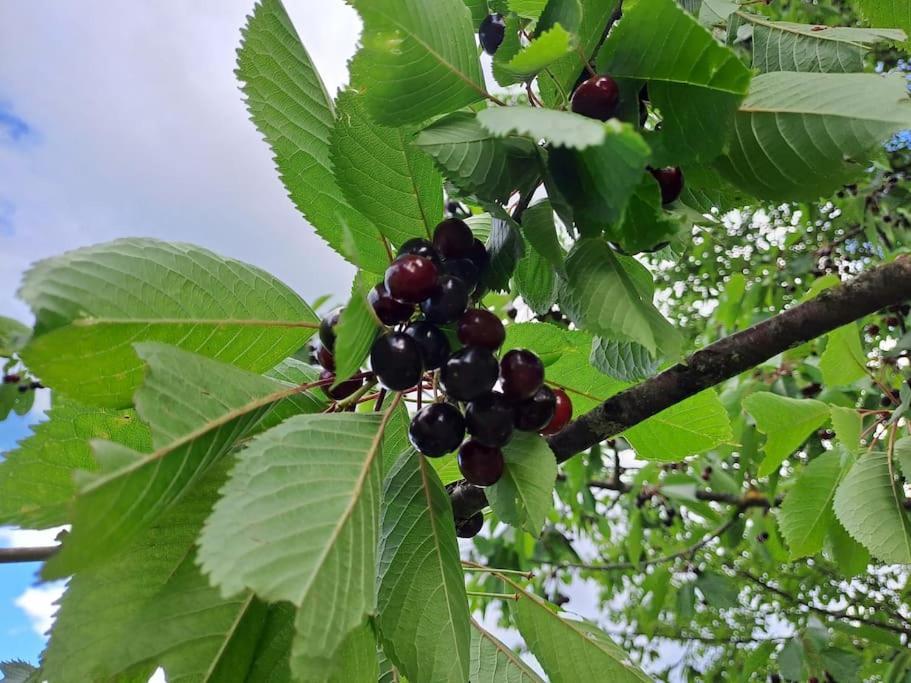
column 465, row 270
column 418, row 246
column 411, row 278
column 535, row 413
column 387, row 309
column 452, row 238
column 562, row 414
column 471, row 527
column 489, row 419
column 432, row 341
column 327, row 327
column 325, row 358
column 480, row 465
column 447, row 303
column 522, row 373
column 480, row 327
column 343, row 390
column 470, row 372
column 396, row 360
column 597, row 98
column 492, row 32
column 437, row 429
column 479, row 256
column 670, row 179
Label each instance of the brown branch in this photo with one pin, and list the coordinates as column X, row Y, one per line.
column 883, row 286
column 14, row 555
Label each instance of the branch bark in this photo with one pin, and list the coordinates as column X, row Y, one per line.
column 883, row 286
column 14, row 555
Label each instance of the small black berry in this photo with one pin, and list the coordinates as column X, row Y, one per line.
column 471, row 527
column 411, row 278
column 343, row 390
column 522, row 373
column 535, row 413
column 480, row 465
column 470, row 372
column 325, row 358
column 12, row 379
column 479, row 256
column 421, row 247
column 432, row 341
column 489, row 419
column 396, row 360
column 670, row 180
column 597, row 98
column 448, row 302
column 465, row 270
column 480, row 327
column 562, row 414
column 387, row 309
column 437, row 429
column 452, row 238
column 327, row 327
column 492, row 32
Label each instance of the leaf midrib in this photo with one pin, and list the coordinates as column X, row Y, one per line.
column 215, row 322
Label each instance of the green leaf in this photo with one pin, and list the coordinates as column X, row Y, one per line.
column 505, row 247
column 536, row 282
column 567, row 13
column 291, row 108
column 540, row 230
column 716, row 12
column 383, row 175
column 626, row 361
column 356, row 659
column 543, row 51
column 718, row 590
column 776, row 150
column 417, row 59
column 850, row 556
column 696, row 83
column 93, row 304
column 293, row 373
column 478, row 10
column 36, row 479
column 530, row 9
column 477, row 161
column 645, row 223
column 493, row 662
column 509, row 48
column 357, row 329
column 603, row 297
column 423, row 607
column 848, row 425
column 887, row 13
column 13, row 336
column 320, row 474
column 523, row 496
column 870, row 505
column 843, row 362
column 786, row 422
column 17, row 671
column 560, row 128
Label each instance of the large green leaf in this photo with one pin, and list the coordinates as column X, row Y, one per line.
column 887, row 13
column 91, row 305
column 423, row 607
column 543, row 51
column 530, row 9
column 13, row 336
column 196, row 408
column 560, row 128
column 36, row 479
column 870, row 504
column 320, row 475
column 383, row 175
column 786, row 422
column 290, row 106
column 540, row 230
column 626, row 361
column 357, row 329
column 524, row 495
column 843, row 362
column 645, row 224
column 695, row 82
column 356, row 659
column 536, row 282
column 494, row 662
column 417, row 59
column 798, row 136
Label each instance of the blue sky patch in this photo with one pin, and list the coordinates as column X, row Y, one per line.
column 14, row 129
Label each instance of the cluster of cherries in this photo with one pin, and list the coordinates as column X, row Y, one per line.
column 23, row 387
column 597, row 97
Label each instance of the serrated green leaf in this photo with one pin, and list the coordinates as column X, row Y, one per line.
column 494, row 662
column 479, row 11
column 539, row 228
column 294, row 373
column 508, row 49
column 849, row 555
column 417, row 59
column 383, row 175
column 423, row 608
column 36, row 479
column 13, row 336
column 291, row 108
column 523, row 496
column 17, row 671
column 505, row 247
column 560, row 128
column 645, row 223
column 716, row 12
column 843, row 362
column 786, row 422
column 543, row 51
column 696, row 83
column 530, row 9
column 775, row 152
column 626, row 361
column 357, row 329
column 887, row 13
column 93, row 304
column 536, row 282
column 356, row 659
column 848, row 425
column 870, row 505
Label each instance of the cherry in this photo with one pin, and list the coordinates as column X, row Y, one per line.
column 327, row 327
column 597, row 98
column 535, row 413
column 465, row 270
column 670, row 179
column 431, row 340
column 418, row 246
column 396, row 360
column 480, row 465
column 492, row 32
column 453, row 238
column 411, row 278
column 325, row 358
column 12, row 379
column 448, row 302
column 470, row 372
column 562, row 414
column 343, row 390
column 471, row 527
column 387, row 309
column 489, row 419
column 522, row 373
column 479, row 256
column 437, row 429
column 480, row 327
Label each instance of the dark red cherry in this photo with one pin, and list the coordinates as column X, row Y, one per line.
column 387, row 309
column 670, row 179
column 12, row 379
column 480, row 465
column 465, row 270
column 420, row 247
column 597, row 98
column 489, row 419
column 470, row 372
column 471, row 527
column 452, row 238
column 562, row 414
column 535, row 413
column 480, row 327
column 343, row 390
column 411, row 278
column 325, row 358
column 479, row 256
column 437, row 429
column 396, row 360
column 492, row 32
column 448, row 302
column 432, row 341
column 522, row 373
column 327, row 327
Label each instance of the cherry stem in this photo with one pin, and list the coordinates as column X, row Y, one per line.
column 494, row 596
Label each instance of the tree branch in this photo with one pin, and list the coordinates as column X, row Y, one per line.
column 883, row 286
column 14, row 555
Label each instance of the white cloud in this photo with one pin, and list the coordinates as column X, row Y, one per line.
column 38, row 604
column 27, row 538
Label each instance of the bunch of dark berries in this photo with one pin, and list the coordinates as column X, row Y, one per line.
column 324, row 356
